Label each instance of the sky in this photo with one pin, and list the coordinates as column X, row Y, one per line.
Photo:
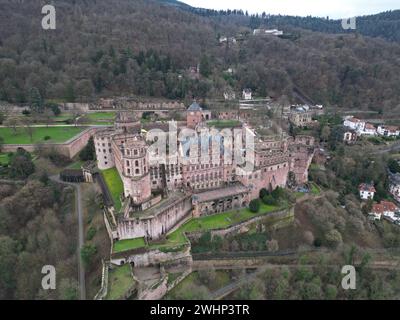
column 322, row 8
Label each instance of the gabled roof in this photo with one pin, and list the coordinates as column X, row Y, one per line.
column 377, row 208
column 352, row 119
column 366, row 187
column 384, row 206
column 389, row 206
column 369, row 126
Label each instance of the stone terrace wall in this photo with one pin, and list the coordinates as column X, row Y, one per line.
column 276, row 217
column 69, row 149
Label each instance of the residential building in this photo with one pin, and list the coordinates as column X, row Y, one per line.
column 247, row 94
column 388, row 131
column 367, row 191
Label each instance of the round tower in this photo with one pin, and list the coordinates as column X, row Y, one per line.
column 136, row 174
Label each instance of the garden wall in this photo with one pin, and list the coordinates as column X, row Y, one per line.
column 69, row 149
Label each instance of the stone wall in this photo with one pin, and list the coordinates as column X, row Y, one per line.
column 274, row 217
column 155, row 292
column 156, row 225
column 155, row 257
column 69, row 149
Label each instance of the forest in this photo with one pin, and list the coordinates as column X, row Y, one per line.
column 147, row 48
column 36, row 222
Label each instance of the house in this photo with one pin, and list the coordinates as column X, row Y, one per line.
column 354, row 123
column 388, row 131
column 350, row 136
column 247, row 94
column 367, row 191
column 394, row 185
column 376, row 211
column 229, row 95
column 369, row 130
column 389, row 210
column 272, row 32
column 226, row 39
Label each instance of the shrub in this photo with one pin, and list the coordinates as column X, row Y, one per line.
column 88, row 252
column 269, row 200
column 263, row 192
column 333, row 238
column 47, row 138
column 90, row 233
column 278, row 193
column 254, row 205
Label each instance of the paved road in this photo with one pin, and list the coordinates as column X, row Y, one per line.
column 79, row 211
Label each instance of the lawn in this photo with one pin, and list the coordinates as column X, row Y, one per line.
column 96, row 116
column 119, row 282
column 130, row 244
column 218, row 221
column 56, row 134
column 221, row 124
column 76, row 165
column 115, row 186
column 222, row 220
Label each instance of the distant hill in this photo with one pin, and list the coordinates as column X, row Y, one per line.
column 385, row 25
column 148, row 47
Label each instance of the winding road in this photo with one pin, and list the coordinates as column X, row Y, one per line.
column 79, row 212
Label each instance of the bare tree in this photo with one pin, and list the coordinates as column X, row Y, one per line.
column 12, row 122
column 29, row 129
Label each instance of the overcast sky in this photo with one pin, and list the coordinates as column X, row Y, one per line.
column 322, row 8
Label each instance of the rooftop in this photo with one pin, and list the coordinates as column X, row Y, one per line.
column 195, row 107
column 367, row 187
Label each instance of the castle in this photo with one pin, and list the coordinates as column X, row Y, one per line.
column 162, row 191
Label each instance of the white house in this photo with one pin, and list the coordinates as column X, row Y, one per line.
column 388, row 131
column 367, row 191
column 273, row 32
column 247, row 94
column 376, row 211
column 354, row 123
column 386, row 209
column 369, row 130
column 229, row 95
column 389, row 210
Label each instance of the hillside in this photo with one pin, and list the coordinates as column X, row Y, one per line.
column 124, row 47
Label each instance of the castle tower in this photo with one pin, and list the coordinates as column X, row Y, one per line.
column 135, row 170
column 194, row 115
column 104, row 154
